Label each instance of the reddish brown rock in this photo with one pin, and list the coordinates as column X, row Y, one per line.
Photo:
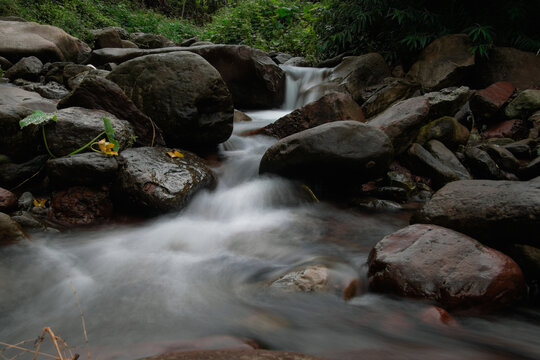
column 81, row 206
column 10, row 231
column 437, row 316
column 444, row 63
column 434, row 263
column 329, row 108
column 7, row 200
column 486, row 102
column 514, row 129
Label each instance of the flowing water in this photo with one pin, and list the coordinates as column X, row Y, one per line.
column 205, row 272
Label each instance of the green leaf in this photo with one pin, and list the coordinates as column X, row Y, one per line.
column 109, row 131
column 36, row 118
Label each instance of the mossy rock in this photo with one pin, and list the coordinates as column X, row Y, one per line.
column 447, row 130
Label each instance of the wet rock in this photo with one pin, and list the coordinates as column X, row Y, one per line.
column 233, row 355
column 95, row 92
column 520, row 68
column 107, row 38
column 522, row 149
column 75, row 127
column 481, row 165
column 531, row 170
column 25, row 201
column 403, row 121
column 27, row 68
column 150, row 41
column 445, row 62
column 487, row 102
column 47, row 43
column 297, row 61
column 28, row 222
column 7, row 200
column 375, row 205
column 448, row 158
column 51, row 90
column 72, row 70
column 490, row 211
column 465, row 116
column 150, row 180
column 388, row 93
column 338, row 152
column 5, row 64
column 10, row 231
column 182, row 93
column 437, row 316
column 12, row 175
column 524, row 105
column 75, row 81
column 81, row 205
column 19, row 145
column 82, row 169
column 504, row 158
column 528, row 258
column 28, row 99
column 190, row 41
column 424, row 163
column 126, row 44
column 447, row 130
column 239, row 116
column 329, row 108
column 278, row 57
column 439, row 264
column 447, row 101
column 515, row 129
column 355, row 73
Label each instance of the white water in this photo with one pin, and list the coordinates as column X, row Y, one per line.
column 203, row 272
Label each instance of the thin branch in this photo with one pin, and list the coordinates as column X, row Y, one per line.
column 82, row 316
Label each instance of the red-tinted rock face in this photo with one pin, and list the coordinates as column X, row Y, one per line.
column 7, row 200
column 485, row 103
column 439, row 264
column 514, row 129
column 81, row 206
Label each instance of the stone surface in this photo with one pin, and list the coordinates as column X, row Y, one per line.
column 240, row 116
column 75, row 127
column 481, row 165
column 524, row 105
column 150, row 180
column 233, row 355
column 47, row 43
column 386, row 94
column 448, row 158
column 10, row 231
column 355, row 73
column 531, row 170
column 81, row 205
column 107, row 38
column 448, row 101
column 150, row 41
column 82, row 169
column 51, row 90
column 7, row 200
column 27, row 68
column 528, row 258
column 514, row 129
column 96, row 92
column 13, row 174
column 439, row 264
column 403, row 121
column 490, row 211
column 487, row 102
column 445, row 62
column 447, row 130
column 337, row 152
column 182, row 93
column 297, row 61
column 329, row 108
column 522, row 149
column 520, row 68
column 5, row 64
column 19, row 145
column 31, row 100
column 503, row 157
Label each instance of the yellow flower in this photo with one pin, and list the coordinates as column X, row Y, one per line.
column 175, row 154
column 106, row 147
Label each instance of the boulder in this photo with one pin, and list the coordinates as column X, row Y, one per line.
column 403, row 121
column 503, row 157
column 96, row 92
column 150, row 41
column 75, row 81
column 445, row 62
column 152, row 181
column 434, row 263
column 190, row 41
column 487, row 102
column 81, row 205
column 337, row 152
column 47, row 43
column 27, row 68
column 448, row 158
column 5, row 64
column 7, row 200
column 297, row 61
column 531, row 170
column 355, row 73
column 82, row 169
column 107, row 38
column 329, row 108
column 182, row 93
column 386, row 94
column 520, row 68
column 51, row 90
column 490, row 211
column 19, row 145
column 514, row 129
column 448, row 101
column 126, row 44
column 528, row 258
column 28, row 99
column 10, row 231
column 524, row 105
column 75, row 127
column 447, row 130
column 481, row 165
column 12, row 175
column 522, row 149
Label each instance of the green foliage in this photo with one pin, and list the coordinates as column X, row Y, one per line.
column 38, row 117
column 109, row 131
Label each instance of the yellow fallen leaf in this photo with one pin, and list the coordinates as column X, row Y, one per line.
column 40, row 202
column 106, row 147
column 175, row 154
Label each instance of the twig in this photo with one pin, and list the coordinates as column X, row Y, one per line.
column 27, row 180
column 27, row 350
column 82, row 316
column 53, row 338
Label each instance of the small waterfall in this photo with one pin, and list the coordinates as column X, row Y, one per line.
column 303, row 85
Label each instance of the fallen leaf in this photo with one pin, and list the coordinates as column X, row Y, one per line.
column 40, row 202
column 175, row 154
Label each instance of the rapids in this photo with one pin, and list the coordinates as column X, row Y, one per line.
column 203, row 271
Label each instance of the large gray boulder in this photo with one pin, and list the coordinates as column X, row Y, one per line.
column 82, row 169
column 489, row 211
column 47, row 43
column 151, row 181
column 29, row 99
column 27, row 68
column 182, row 93
column 337, row 152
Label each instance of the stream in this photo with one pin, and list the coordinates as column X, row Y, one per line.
column 205, row 271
